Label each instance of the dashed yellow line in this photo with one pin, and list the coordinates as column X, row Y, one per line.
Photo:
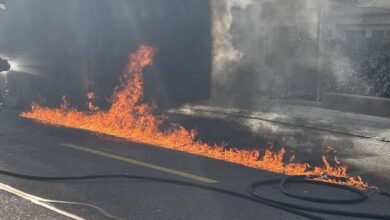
column 141, row 163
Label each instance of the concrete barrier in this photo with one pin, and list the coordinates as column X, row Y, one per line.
column 368, row 105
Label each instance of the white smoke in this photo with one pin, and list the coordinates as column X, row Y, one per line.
column 225, row 56
column 242, row 40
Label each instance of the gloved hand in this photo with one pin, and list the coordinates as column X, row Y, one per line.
column 4, row 65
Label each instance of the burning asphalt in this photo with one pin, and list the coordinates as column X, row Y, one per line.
column 131, row 119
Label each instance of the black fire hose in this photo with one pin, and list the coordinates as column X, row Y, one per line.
column 300, row 210
column 361, row 196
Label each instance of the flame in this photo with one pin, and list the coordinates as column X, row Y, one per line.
column 131, row 119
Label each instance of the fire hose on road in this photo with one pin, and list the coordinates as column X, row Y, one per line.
column 253, row 195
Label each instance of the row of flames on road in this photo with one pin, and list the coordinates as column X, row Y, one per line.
column 133, row 120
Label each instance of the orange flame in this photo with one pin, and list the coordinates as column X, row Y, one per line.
column 133, row 120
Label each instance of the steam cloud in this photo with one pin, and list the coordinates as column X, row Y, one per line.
column 243, row 41
column 262, row 49
column 225, row 56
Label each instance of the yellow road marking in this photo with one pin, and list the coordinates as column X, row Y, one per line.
column 141, row 163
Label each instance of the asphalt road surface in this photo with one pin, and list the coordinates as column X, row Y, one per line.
column 31, row 148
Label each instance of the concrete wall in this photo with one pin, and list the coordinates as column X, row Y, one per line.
column 358, row 104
